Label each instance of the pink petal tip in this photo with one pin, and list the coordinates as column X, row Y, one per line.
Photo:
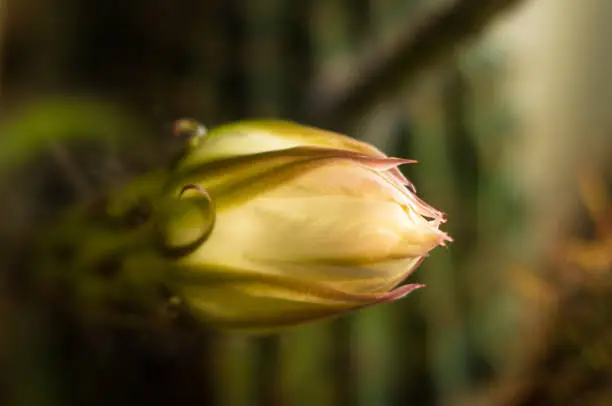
column 401, row 292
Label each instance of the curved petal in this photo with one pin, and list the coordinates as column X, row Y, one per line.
column 234, row 299
column 232, row 181
column 370, row 277
column 306, row 229
column 256, row 136
column 339, row 224
column 340, row 227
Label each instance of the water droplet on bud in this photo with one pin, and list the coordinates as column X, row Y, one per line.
column 190, row 128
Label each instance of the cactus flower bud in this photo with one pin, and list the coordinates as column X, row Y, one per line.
column 308, row 224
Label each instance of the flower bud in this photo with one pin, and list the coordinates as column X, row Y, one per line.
column 308, row 224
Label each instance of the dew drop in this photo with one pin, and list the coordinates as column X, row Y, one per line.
column 189, row 127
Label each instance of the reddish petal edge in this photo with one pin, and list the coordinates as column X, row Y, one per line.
column 345, row 302
column 399, row 293
column 392, row 296
column 275, row 324
column 382, row 164
column 403, row 179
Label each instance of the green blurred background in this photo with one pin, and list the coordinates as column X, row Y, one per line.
column 507, row 109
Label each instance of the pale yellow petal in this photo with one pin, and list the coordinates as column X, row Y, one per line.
column 236, row 180
column 354, row 277
column 250, row 137
column 338, row 219
column 305, row 228
column 240, row 299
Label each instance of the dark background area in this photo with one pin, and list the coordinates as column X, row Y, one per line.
column 505, row 104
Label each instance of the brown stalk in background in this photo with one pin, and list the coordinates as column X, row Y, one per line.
column 436, row 37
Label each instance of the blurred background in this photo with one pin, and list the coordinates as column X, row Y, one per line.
column 506, row 104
